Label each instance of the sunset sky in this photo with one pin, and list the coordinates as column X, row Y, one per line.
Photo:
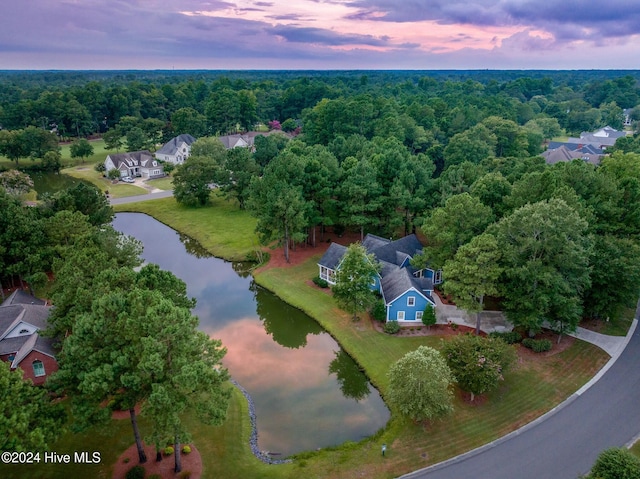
column 320, row 34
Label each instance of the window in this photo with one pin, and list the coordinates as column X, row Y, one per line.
column 411, row 301
column 24, row 331
column 419, row 315
column 38, row 368
column 400, row 316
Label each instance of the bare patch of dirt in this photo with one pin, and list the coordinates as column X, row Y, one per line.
column 304, row 251
column 191, row 462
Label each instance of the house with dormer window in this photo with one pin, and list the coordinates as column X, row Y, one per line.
column 134, row 164
column 176, row 150
column 22, row 317
column 406, row 291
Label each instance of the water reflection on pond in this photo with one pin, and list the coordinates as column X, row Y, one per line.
column 308, row 393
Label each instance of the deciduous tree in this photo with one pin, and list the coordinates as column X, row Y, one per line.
column 478, row 363
column 81, row 149
column 545, row 256
column 420, row 385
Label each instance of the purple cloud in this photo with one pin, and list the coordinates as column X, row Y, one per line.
column 567, row 19
column 326, row 37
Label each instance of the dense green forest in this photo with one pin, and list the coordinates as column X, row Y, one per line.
column 453, row 155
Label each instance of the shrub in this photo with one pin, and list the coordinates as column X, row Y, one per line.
column 391, row 327
column 318, row 281
column 429, row 316
column 100, row 167
column 168, row 450
column 379, row 311
column 154, row 476
column 509, row 337
column 186, row 449
column 113, row 174
column 537, row 345
column 184, row 475
column 136, row 472
column 616, row 463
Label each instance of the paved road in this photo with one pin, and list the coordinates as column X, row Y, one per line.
column 567, row 441
column 135, row 199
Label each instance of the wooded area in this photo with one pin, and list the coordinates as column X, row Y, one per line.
column 452, row 154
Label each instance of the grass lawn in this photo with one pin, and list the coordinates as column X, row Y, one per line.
column 165, row 183
column 529, row 391
column 99, row 154
column 221, row 228
column 118, row 190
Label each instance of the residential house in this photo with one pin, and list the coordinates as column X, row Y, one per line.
column 22, row 316
column 176, row 150
column 246, row 140
column 134, row 164
column 405, row 290
column 567, row 153
column 590, row 147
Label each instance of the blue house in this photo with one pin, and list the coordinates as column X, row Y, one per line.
column 405, row 290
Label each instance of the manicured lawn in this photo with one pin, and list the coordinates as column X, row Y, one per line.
column 99, row 154
column 118, row 190
column 533, row 388
column 527, row 392
column 221, row 228
column 165, row 183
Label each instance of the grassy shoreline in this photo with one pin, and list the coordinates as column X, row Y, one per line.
column 532, row 389
column 410, row 446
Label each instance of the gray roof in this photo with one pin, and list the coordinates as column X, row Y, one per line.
column 138, row 158
column 563, row 153
column 398, row 282
column 583, row 148
column 171, row 147
column 22, row 297
column 22, row 307
column 409, row 246
column 372, row 242
column 331, row 258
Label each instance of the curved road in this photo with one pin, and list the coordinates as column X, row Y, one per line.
column 566, row 443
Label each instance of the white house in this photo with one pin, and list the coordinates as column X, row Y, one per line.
column 134, row 163
column 176, row 150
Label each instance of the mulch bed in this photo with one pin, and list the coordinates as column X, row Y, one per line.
column 191, row 464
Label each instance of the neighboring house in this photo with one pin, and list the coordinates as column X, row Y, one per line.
column 590, row 147
column 246, row 140
column 566, row 153
column 21, row 317
column 176, row 150
column 134, row 163
column 405, row 290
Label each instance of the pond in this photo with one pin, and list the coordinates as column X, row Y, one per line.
column 47, row 182
column 308, row 392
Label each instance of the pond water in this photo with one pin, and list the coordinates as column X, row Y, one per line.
column 52, row 182
column 308, row 392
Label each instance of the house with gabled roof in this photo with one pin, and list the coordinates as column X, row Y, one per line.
column 176, row 150
column 406, row 291
column 22, row 317
column 134, row 163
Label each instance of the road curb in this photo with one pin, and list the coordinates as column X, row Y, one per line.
column 535, row 422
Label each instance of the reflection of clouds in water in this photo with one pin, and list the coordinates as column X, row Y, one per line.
column 293, row 390
column 298, row 402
